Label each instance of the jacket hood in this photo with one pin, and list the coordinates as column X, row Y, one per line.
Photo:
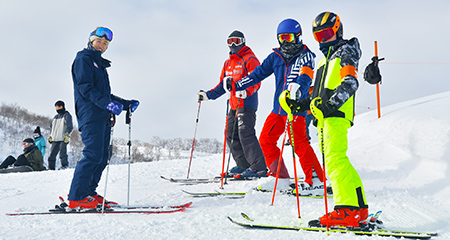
column 244, row 51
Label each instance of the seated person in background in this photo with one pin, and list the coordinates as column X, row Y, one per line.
column 31, row 157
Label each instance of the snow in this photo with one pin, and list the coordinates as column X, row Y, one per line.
column 402, row 159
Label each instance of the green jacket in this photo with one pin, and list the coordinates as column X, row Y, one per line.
column 34, row 157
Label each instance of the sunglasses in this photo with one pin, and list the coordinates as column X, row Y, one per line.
column 235, row 40
column 103, row 32
column 288, row 37
column 324, row 34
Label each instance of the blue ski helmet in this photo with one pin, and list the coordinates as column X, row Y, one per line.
column 290, row 25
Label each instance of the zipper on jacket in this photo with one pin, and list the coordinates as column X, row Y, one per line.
column 325, row 70
column 284, row 81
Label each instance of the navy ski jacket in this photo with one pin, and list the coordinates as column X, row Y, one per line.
column 92, row 90
column 299, row 69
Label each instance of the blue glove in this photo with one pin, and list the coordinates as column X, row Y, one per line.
column 134, row 105
column 115, row 107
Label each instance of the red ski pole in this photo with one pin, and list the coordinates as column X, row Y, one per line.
column 232, row 136
column 282, row 99
column 295, row 165
column 279, row 164
column 224, row 148
column 193, row 142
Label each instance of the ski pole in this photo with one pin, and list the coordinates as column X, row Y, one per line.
column 224, row 147
column 320, row 119
column 279, row 163
column 128, row 121
column 112, row 122
column 295, row 165
column 193, row 142
column 282, row 99
column 232, row 137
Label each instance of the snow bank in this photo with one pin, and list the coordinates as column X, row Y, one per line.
column 402, row 159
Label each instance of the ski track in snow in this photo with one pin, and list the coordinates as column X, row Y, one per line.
column 402, row 159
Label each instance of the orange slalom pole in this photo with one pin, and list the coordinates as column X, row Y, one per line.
column 378, row 85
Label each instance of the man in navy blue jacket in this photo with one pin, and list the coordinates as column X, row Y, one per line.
column 93, row 105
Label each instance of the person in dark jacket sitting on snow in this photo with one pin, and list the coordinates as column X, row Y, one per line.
column 31, row 157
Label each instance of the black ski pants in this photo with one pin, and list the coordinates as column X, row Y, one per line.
column 241, row 137
column 61, row 148
column 10, row 160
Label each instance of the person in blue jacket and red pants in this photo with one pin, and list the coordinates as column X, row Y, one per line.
column 293, row 66
column 93, row 105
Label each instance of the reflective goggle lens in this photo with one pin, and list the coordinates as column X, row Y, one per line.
column 236, row 40
column 26, row 144
column 104, row 32
column 324, row 34
column 288, row 37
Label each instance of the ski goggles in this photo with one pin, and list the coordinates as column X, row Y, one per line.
column 235, row 40
column 288, row 37
column 103, row 32
column 324, row 34
column 26, row 144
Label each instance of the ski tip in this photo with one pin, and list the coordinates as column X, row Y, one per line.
column 247, row 217
column 231, row 220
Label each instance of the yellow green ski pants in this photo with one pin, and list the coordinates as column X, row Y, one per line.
column 348, row 191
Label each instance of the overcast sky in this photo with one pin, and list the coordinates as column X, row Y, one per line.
column 163, row 52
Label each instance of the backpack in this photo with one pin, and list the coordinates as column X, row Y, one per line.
column 372, row 72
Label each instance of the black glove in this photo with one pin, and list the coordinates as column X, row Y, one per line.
column 229, row 84
column 372, row 72
column 327, row 108
column 298, row 106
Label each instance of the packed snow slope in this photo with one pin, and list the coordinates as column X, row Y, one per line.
column 402, row 159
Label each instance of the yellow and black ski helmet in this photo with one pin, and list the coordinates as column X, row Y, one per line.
column 326, row 25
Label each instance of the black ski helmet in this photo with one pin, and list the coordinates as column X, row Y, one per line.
column 236, row 33
column 328, row 20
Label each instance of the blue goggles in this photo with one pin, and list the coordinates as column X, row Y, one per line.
column 103, row 32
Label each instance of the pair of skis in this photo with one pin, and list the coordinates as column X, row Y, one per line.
column 191, row 181
column 242, row 194
column 119, row 209
column 369, row 228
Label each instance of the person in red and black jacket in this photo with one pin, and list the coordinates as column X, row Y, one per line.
column 241, row 135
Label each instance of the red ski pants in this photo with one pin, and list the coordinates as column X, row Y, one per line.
column 273, row 128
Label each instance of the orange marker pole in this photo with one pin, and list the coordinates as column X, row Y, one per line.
column 378, row 86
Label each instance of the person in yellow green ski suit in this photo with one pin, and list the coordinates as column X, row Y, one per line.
column 333, row 96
